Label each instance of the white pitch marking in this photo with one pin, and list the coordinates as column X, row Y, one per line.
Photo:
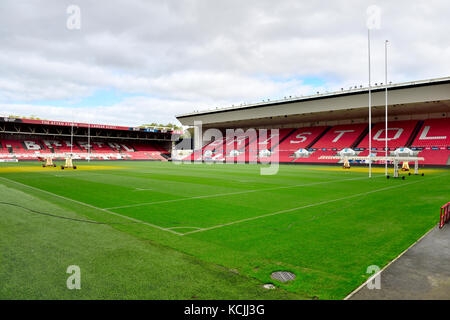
column 74, row 175
column 184, row 228
column 139, row 189
column 304, row 207
column 231, row 193
column 94, row 207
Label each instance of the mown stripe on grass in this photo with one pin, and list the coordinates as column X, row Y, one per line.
column 233, row 193
column 94, row 207
column 307, row 206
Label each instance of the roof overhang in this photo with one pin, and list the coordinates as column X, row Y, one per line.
column 426, row 96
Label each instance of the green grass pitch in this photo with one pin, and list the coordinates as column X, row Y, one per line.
column 201, row 231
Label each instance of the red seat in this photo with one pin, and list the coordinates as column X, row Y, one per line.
column 270, row 139
column 60, row 146
column 31, row 148
column 398, row 134
column 340, row 136
column 435, row 157
column 301, row 138
column 434, row 133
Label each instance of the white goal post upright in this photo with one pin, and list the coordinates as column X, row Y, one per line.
column 89, row 142
column 386, row 106
column 370, row 109
column 71, row 138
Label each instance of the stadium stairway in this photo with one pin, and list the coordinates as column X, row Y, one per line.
column 318, row 138
column 432, row 140
column 414, row 134
column 301, row 138
column 433, row 133
column 361, row 136
column 283, row 137
column 340, row 137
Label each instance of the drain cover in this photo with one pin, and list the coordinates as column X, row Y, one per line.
column 268, row 286
column 283, row 276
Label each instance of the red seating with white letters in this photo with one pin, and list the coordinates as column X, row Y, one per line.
column 270, row 139
column 301, row 138
column 31, row 148
column 340, row 136
column 434, row 133
column 398, row 134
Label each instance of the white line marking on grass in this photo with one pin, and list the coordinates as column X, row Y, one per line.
column 305, row 206
column 184, row 228
column 94, row 207
column 74, row 174
column 233, row 193
column 139, row 189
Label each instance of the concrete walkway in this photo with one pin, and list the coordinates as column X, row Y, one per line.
column 423, row 272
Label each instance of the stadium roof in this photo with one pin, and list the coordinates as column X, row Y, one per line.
column 407, row 97
column 80, row 125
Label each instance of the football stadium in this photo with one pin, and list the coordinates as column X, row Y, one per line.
column 339, row 194
column 211, row 211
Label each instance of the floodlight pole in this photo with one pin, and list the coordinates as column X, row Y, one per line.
column 386, row 106
column 370, row 110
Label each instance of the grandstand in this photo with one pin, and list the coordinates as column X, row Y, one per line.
column 304, row 221
column 324, row 124
column 26, row 139
column 398, row 135
column 328, row 141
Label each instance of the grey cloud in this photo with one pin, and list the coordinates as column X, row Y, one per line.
column 195, row 54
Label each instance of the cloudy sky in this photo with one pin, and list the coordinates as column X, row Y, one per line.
column 140, row 61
